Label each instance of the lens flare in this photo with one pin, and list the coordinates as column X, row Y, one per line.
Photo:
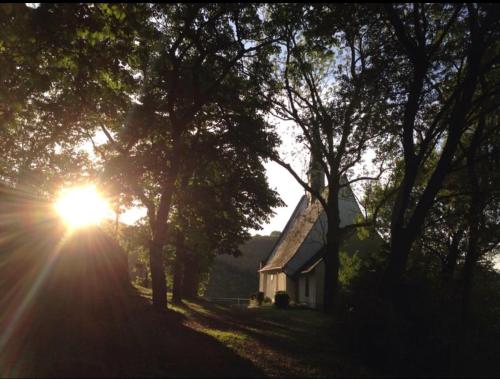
column 82, row 206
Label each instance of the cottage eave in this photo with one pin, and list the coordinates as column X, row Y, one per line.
column 268, row 269
column 312, row 267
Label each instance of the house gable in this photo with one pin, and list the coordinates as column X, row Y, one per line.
column 305, row 232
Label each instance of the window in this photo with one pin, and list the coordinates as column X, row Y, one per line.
column 307, row 286
column 272, row 277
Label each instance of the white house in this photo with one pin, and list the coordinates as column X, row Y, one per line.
column 295, row 264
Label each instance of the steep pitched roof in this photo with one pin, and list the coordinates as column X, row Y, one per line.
column 301, row 205
column 305, row 233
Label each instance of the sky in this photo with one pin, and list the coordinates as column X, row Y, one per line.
column 290, row 191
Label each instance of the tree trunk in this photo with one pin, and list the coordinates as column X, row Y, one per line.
column 191, row 278
column 145, row 279
column 178, row 269
column 468, row 270
column 401, row 243
column 117, row 224
column 159, row 227
column 332, row 249
column 332, row 265
column 398, row 255
column 451, row 258
column 158, row 280
column 475, row 220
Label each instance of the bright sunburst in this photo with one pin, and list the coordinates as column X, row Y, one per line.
column 82, row 206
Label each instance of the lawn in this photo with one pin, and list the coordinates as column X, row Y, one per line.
column 278, row 342
column 118, row 334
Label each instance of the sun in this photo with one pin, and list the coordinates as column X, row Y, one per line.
column 82, row 206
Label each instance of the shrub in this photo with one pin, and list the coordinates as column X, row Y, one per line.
column 267, row 300
column 257, row 298
column 281, row 299
column 260, row 297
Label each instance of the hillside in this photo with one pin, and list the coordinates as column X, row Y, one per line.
column 237, row 276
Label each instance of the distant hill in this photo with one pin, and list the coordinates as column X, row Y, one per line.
column 237, row 276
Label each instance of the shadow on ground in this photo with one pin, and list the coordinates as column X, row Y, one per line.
column 67, row 310
column 286, row 343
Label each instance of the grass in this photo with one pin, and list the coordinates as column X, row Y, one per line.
column 278, row 342
column 118, row 334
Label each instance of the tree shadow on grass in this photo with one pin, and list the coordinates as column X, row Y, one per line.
column 301, row 342
column 83, row 320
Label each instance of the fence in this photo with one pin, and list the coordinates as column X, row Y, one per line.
column 234, row 301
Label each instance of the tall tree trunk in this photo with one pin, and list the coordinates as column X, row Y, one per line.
column 471, row 259
column 399, row 247
column 191, row 278
column 178, row 269
column 159, row 227
column 332, row 266
column 158, row 280
column 145, row 278
column 117, row 223
column 398, row 255
column 401, row 242
column 332, row 249
column 450, row 262
column 475, row 220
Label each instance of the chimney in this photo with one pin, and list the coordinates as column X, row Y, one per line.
column 315, row 175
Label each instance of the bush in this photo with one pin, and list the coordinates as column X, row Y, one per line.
column 260, row 298
column 281, row 299
column 267, row 300
column 257, row 298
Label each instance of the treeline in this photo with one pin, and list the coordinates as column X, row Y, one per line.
column 190, row 99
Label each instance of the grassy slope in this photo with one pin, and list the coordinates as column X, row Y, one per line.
column 279, row 343
column 66, row 310
column 125, row 337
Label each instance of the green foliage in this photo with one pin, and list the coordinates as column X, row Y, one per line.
column 135, row 241
column 61, row 68
column 350, row 267
column 363, row 233
column 421, row 333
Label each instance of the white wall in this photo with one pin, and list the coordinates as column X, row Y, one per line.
column 269, row 283
column 310, row 299
column 261, row 282
column 316, row 283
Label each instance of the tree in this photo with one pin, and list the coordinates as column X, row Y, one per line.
column 134, row 240
column 216, row 204
column 63, row 72
column 197, row 62
column 332, row 92
column 436, row 79
column 482, row 164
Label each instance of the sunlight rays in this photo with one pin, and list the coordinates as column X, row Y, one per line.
column 82, row 206
column 77, row 207
column 15, row 321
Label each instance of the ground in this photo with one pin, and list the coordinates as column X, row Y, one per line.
column 283, row 343
column 78, row 316
column 127, row 338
